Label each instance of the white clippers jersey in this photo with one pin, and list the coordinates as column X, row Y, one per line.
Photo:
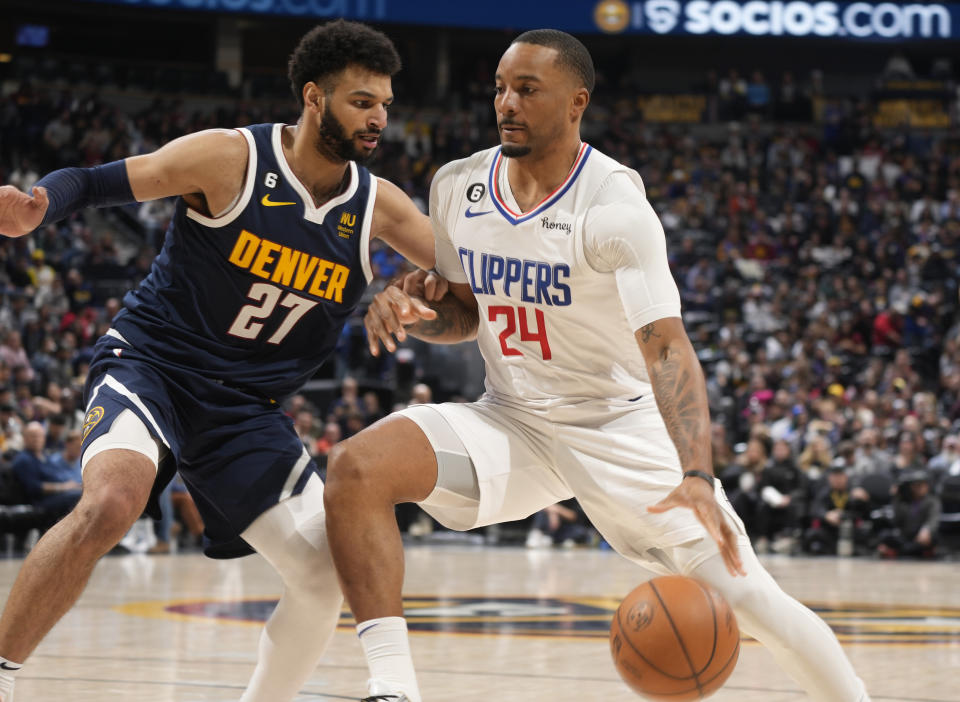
column 553, row 330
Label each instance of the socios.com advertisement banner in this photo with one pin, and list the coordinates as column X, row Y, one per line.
column 779, row 18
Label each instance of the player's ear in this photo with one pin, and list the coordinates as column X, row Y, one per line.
column 313, row 97
column 581, row 98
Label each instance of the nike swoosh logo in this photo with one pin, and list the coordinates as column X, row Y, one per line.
column 468, row 213
column 267, row 202
column 7, row 666
column 365, row 630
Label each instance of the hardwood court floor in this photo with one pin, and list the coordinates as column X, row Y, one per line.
column 500, row 624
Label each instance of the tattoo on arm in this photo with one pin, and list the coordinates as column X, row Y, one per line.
column 681, row 396
column 649, row 331
column 454, row 322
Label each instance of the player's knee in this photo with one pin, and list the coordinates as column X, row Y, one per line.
column 349, row 473
column 311, row 575
column 105, row 515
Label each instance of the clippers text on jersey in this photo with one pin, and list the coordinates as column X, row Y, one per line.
column 529, row 281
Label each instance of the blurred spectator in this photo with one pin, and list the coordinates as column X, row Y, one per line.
column 870, row 456
column 178, row 511
column 748, row 469
column 305, row 425
column 939, row 466
column 782, row 492
column 758, row 94
column 561, row 524
column 372, row 411
column 56, row 433
column 916, row 520
column 11, row 427
column 67, row 461
column 833, row 505
column 421, row 394
column 14, row 355
column 53, row 486
column 816, row 457
column 348, row 402
column 908, row 458
column 23, row 176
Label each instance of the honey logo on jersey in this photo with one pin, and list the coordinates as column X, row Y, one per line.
column 345, row 226
column 91, row 420
column 554, row 225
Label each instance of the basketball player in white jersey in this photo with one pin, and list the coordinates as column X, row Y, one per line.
column 557, row 263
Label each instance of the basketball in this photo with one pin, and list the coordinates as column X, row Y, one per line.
column 674, row 638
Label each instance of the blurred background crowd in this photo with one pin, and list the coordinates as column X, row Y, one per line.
column 813, row 228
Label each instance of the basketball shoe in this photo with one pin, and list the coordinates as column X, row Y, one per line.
column 378, row 691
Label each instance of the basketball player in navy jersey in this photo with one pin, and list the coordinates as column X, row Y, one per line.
column 557, row 264
column 266, row 257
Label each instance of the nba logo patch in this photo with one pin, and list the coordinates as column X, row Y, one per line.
column 91, row 420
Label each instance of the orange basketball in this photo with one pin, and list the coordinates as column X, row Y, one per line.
column 674, row 638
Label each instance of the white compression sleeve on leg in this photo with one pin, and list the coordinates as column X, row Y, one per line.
column 800, row 641
column 292, row 536
column 387, row 649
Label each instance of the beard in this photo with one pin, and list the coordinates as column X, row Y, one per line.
column 334, row 143
column 514, row 150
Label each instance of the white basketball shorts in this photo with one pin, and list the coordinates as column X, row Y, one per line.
column 616, row 459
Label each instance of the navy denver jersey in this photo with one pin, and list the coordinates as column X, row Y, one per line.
column 256, row 296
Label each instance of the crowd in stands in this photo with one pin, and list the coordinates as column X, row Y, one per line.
column 817, row 263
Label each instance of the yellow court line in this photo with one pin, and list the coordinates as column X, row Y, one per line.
column 911, row 636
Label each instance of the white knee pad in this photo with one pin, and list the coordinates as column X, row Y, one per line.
column 292, row 536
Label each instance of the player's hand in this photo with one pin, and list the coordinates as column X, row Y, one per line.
column 388, row 312
column 426, row 284
column 21, row 213
column 696, row 494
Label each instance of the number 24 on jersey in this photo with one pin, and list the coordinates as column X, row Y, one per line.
column 513, row 316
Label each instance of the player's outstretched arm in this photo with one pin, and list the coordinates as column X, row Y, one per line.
column 397, row 221
column 681, row 395
column 210, row 163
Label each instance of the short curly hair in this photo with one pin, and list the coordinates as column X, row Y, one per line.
column 329, row 48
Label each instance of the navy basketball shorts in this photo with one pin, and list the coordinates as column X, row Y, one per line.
column 238, row 454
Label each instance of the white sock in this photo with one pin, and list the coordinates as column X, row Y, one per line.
column 387, row 649
column 8, row 674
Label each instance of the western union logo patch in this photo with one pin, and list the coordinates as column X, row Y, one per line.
column 347, row 222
